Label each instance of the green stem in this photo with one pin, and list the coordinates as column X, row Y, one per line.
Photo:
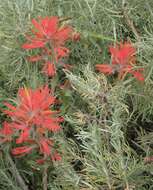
column 45, row 176
column 16, row 174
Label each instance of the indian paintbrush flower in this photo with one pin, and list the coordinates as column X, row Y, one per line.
column 31, row 121
column 123, row 62
column 50, row 37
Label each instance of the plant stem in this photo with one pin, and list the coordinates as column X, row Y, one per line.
column 16, row 174
column 44, row 180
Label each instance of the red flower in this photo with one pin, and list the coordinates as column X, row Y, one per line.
column 123, row 54
column 123, row 60
column 32, row 119
column 21, row 150
column 47, row 30
column 34, row 108
column 50, row 37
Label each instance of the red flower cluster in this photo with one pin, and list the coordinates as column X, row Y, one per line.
column 32, row 119
column 50, row 37
column 123, row 62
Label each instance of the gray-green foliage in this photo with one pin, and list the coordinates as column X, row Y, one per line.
column 7, row 179
column 109, row 160
column 99, row 111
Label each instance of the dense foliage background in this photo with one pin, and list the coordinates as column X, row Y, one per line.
column 107, row 137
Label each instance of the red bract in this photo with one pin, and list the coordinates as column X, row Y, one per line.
column 104, row 68
column 32, row 119
column 34, row 44
column 49, row 69
column 61, row 52
column 50, row 37
column 33, row 107
column 123, row 61
column 21, row 150
column 35, row 58
column 45, row 146
column 123, row 54
column 47, row 30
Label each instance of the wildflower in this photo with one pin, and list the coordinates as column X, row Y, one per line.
column 123, row 61
column 47, row 30
column 34, row 108
column 32, row 120
column 50, row 38
column 123, row 54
